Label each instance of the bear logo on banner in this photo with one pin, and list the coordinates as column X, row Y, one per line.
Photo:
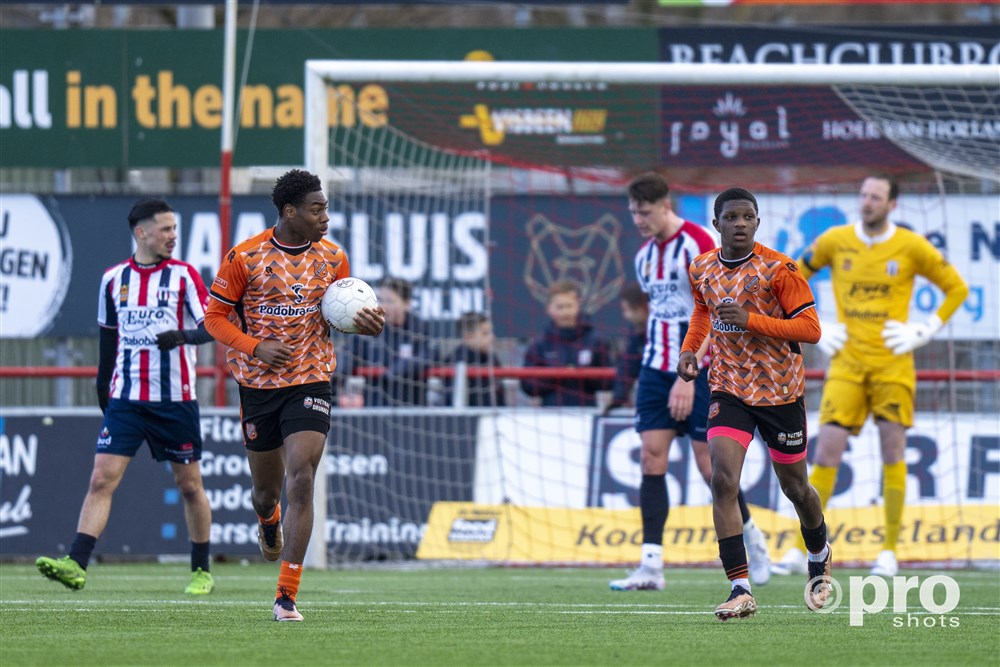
column 589, row 256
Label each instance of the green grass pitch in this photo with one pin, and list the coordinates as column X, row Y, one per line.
column 137, row 614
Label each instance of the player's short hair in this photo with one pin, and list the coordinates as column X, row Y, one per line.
column 564, row 287
column 470, row 321
column 649, row 187
column 734, row 194
column 292, row 188
column 633, row 295
column 146, row 209
column 403, row 288
column 891, row 180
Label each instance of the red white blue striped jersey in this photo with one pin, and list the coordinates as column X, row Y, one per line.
column 141, row 302
column 661, row 267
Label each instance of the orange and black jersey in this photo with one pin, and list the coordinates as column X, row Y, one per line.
column 267, row 291
column 762, row 364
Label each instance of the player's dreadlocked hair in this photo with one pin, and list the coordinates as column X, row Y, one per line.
column 734, row 194
column 292, row 188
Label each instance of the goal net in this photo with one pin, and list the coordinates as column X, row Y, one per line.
column 472, row 187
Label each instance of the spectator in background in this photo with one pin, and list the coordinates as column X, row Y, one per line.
column 401, row 354
column 476, row 349
column 568, row 342
column 635, row 310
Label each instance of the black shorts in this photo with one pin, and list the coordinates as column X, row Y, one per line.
column 271, row 415
column 782, row 427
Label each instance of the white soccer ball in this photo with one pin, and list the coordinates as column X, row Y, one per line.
column 343, row 299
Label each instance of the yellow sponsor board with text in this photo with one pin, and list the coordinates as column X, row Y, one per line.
column 512, row 534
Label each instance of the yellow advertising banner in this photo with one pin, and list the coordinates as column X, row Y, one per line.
column 512, row 534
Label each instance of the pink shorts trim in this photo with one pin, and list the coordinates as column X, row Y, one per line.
column 739, row 436
column 781, row 457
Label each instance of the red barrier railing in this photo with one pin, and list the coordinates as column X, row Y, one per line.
column 72, row 372
column 516, row 372
column 607, row 373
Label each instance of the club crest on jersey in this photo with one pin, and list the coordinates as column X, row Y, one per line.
column 163, row 294
column 123, row 293
column 847, row 264
column 319, row 269
column 250, row 430
column 751, row 283
column 892, row 267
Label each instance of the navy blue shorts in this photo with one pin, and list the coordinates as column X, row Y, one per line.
column 172, row 429
column 271, row 415
column 652, row 410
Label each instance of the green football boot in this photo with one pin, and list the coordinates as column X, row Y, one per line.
column 202, row 583
column 65, row 570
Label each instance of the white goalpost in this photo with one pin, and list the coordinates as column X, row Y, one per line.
column 435, row 178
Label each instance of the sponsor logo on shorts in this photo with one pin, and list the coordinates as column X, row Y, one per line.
column 104, row 439
column 791, row 439
column 713, row 410
column 184, row 452
column 318, row 404
column 250, row 430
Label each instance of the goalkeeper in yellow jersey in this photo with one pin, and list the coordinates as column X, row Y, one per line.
column 873, row 264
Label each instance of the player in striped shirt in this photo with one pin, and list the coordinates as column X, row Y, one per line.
column 150, row 310
column 758, row 309
column 265, row 306
column 666, row 408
